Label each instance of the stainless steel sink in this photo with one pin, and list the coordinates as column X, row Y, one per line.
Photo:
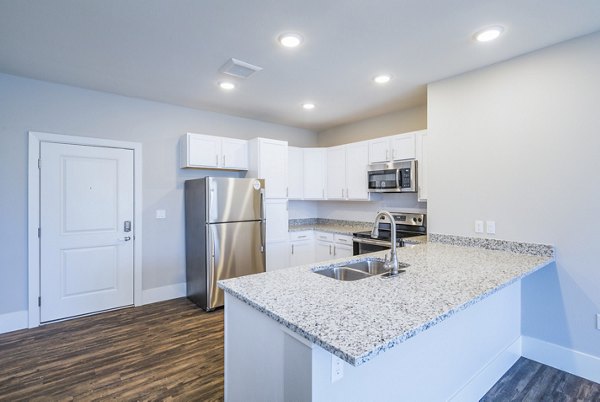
column 371, row 267
column 357, row 270
column 343, row 273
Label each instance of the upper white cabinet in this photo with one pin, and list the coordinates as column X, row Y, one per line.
column 295, row 173
column 357, row 163
column 336, row 173
column 212, row 152
column 269, row 161
column 306, row 173
column 347, row 172
column 314, row 173
column 394, row 148
column 423, row 164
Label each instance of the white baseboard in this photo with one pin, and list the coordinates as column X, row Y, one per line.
column 13, row 321
column 163, row 293
column 565, row 359
column 484, row 379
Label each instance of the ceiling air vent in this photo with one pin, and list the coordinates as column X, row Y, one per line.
column 238, row 68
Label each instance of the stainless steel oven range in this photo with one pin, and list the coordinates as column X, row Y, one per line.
column 407, row 225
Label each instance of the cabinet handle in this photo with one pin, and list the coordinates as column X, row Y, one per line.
column 334, row 249
column 330, row 249
column 292, row 249
column 224, row 164
column 301, row 237
column 217, row 159
column 323, row 192
column 287, row 192
column 342, row 193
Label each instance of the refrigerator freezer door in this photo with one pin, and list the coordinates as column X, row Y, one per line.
column 235, row 250
column 234, row 200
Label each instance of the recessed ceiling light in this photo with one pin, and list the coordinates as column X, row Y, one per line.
column 290, row 39
column 382, row 79
column 226, row 85
column 308, row 106
column 489, row 33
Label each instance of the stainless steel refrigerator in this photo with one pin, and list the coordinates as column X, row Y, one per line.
column 225, row 234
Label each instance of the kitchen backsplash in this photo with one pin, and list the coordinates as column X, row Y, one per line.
column 363, row 211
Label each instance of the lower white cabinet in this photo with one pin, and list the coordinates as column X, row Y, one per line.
column 329, row 246
column 302, row 252
column 323, row 250
column 302, row 248
column 309, row 247
column 277, row 255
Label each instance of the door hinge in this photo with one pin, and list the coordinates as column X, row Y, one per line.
column 39, row 233
column 40, row 301
column 39, row 163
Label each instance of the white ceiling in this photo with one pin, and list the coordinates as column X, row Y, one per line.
column 171, row 50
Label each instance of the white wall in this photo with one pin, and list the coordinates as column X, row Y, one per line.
column 30, row 105
column 519, row 143
column 398, row 122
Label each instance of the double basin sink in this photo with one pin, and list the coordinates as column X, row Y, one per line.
column 357, row 270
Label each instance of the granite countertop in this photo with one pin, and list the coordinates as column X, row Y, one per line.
column 329, row 225
column 358, row 320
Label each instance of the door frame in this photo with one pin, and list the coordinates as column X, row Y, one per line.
column 33, row 212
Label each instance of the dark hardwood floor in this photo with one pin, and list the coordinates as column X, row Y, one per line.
column 168, row 350
column 528, row 380
column 174, row 351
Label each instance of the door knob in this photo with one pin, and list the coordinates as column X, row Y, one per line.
column 127, row 238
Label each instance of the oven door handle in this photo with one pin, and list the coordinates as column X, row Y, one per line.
column 372, row 241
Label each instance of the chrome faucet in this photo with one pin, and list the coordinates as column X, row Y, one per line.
column 392, row 264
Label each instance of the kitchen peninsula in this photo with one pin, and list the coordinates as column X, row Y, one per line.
column 446, row 328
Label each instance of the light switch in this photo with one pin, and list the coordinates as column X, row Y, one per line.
column 490, row 227
column 478, row 226
column 161, row 214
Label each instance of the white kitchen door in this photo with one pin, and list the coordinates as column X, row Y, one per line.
column 86, row 222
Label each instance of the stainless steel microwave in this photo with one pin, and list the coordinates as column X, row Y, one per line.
column 393, row 177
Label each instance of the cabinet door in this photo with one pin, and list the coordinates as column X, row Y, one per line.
column 203, row 150
column 343, row 251
column 403, row 147
column 336, row 173
column 295, row 173
column 273, row 167
column 379, row 150
column 234, row 154
column 302, row 253
column 276, row 212
column 314, row 173
column 422, row 168
column 357, row 161
column 323, row 251
column 278, row 256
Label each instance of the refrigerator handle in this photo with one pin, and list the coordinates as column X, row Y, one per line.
column 263, row 223
column 211, row 258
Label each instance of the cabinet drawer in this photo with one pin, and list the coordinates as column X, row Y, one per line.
column 324, row 236
column 343, row 239
column 303, row 235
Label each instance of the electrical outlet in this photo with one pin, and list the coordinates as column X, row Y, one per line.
column 161, row 214
column 490, row 227
column 337, row 368
column 478, row 226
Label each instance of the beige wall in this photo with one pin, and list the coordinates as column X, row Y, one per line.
column 519, row 143
column 41, row 106
column 398, row 122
